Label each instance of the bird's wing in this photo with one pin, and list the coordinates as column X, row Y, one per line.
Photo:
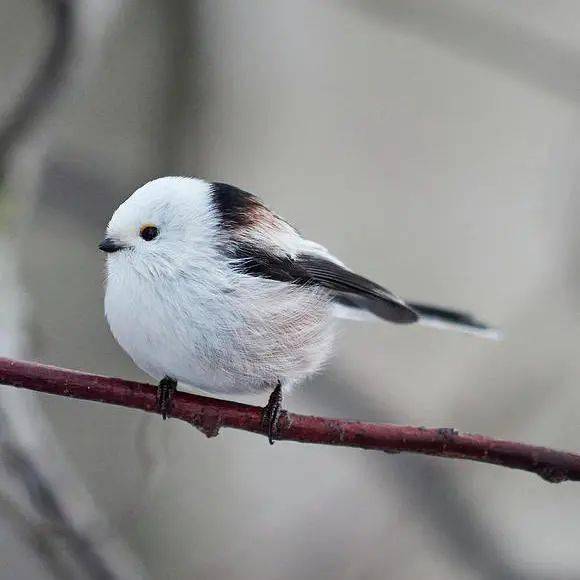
column 261, row 243
column 349, row 290
column 352, row 291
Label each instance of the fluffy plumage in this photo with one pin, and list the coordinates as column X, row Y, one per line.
column 228, row 297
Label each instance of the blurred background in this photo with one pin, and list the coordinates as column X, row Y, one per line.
column 432, row 146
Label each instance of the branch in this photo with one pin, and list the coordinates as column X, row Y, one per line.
column 209, row 415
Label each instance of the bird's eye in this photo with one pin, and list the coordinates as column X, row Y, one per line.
column 149, row 233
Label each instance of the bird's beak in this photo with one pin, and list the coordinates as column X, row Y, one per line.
column 110, row 245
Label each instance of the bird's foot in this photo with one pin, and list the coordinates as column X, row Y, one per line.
column 271, row 413
column 165, row 391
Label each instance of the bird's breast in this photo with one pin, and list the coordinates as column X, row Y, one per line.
column 221, row 333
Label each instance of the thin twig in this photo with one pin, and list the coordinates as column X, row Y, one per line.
column 209, row 415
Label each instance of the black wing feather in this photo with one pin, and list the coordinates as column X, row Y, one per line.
column 239, row 210
column 356, row 291
column 347, row 288
column 450, row 316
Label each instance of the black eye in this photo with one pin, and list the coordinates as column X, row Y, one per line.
column 149, row 233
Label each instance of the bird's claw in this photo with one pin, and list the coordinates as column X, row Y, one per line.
column 271, row 413
column 165, row 391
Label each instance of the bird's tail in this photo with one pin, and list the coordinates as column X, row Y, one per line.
column 453, row 320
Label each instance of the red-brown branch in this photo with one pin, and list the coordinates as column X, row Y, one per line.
column 209, row 415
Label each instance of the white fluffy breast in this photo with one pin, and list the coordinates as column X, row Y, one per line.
column 219, row 331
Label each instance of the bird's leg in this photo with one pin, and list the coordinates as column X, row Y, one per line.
column 271, row 413
column 165, row 392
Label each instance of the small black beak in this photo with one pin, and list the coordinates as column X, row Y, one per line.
column 109, row 245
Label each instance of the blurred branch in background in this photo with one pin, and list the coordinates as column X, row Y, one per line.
column 45, row 84
column 54, row 524
column 42, row 499
column 210, row 415
column 33, row 532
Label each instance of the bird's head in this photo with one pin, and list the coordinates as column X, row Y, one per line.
column 163, row 226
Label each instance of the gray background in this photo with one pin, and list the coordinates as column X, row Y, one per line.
column 433, row 147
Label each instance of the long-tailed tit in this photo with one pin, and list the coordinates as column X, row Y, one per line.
column 207, row 287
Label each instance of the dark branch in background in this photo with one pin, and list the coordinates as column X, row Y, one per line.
column 46, row 504
column 209, row 415
column 43, row 88
column 51, row 525
column 33, row 532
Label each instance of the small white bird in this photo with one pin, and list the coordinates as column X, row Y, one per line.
column 207, row 287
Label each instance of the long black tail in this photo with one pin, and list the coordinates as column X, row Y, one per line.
column 453, row 320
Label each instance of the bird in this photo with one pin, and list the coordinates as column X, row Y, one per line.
column 208, row 288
